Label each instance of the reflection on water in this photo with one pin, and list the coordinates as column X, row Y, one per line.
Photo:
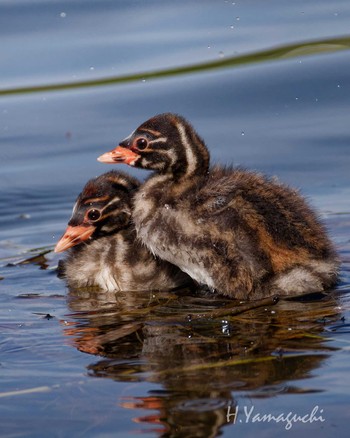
column 200, row 364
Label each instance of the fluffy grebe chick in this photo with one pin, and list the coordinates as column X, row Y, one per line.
column 236, row 231
column 103, row 248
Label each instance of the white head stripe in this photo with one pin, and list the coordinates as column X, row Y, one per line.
column 75, row 208
column 112, row 201
column 190, row 156
column 160, row 140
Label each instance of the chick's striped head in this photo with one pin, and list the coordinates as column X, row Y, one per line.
column 164, row 143
column 102, row 208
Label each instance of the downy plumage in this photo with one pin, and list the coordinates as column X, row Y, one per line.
column 103, row 248
column 236, row 231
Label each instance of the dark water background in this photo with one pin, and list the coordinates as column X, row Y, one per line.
column 89, row 364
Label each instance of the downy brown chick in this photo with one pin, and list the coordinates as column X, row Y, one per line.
column 103, row 248
column 236, row 231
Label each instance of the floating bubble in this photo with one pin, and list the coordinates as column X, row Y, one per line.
column 24, row 216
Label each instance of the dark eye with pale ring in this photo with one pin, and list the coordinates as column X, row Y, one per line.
column 93, row 214
column 141, row 143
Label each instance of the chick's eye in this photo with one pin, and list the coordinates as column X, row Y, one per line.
column 141, row 143
column 93, row 214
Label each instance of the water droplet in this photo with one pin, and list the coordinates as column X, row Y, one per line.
column 225, row 328
column 63, row 15
column 297, row 98
column 221, row 54
column 209, row 47
column 242, row 133
column 338, row 86
column 336, row 14
column 92, row 68
column 219, row 201
column 24, row 216
column 232, row 26
column 237, row 18
column 143, row 81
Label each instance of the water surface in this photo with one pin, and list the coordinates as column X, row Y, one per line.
column 82, row 363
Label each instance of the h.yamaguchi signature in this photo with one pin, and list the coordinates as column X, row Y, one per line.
column 288, row 419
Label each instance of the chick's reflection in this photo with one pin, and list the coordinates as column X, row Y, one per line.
column 198, row 363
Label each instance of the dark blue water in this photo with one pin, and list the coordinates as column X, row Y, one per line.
column 87, row 364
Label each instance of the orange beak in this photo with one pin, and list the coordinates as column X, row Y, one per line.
column 73, row 236
column 119, row 155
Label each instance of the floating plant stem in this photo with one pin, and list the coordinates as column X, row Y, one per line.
column 329, row 45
